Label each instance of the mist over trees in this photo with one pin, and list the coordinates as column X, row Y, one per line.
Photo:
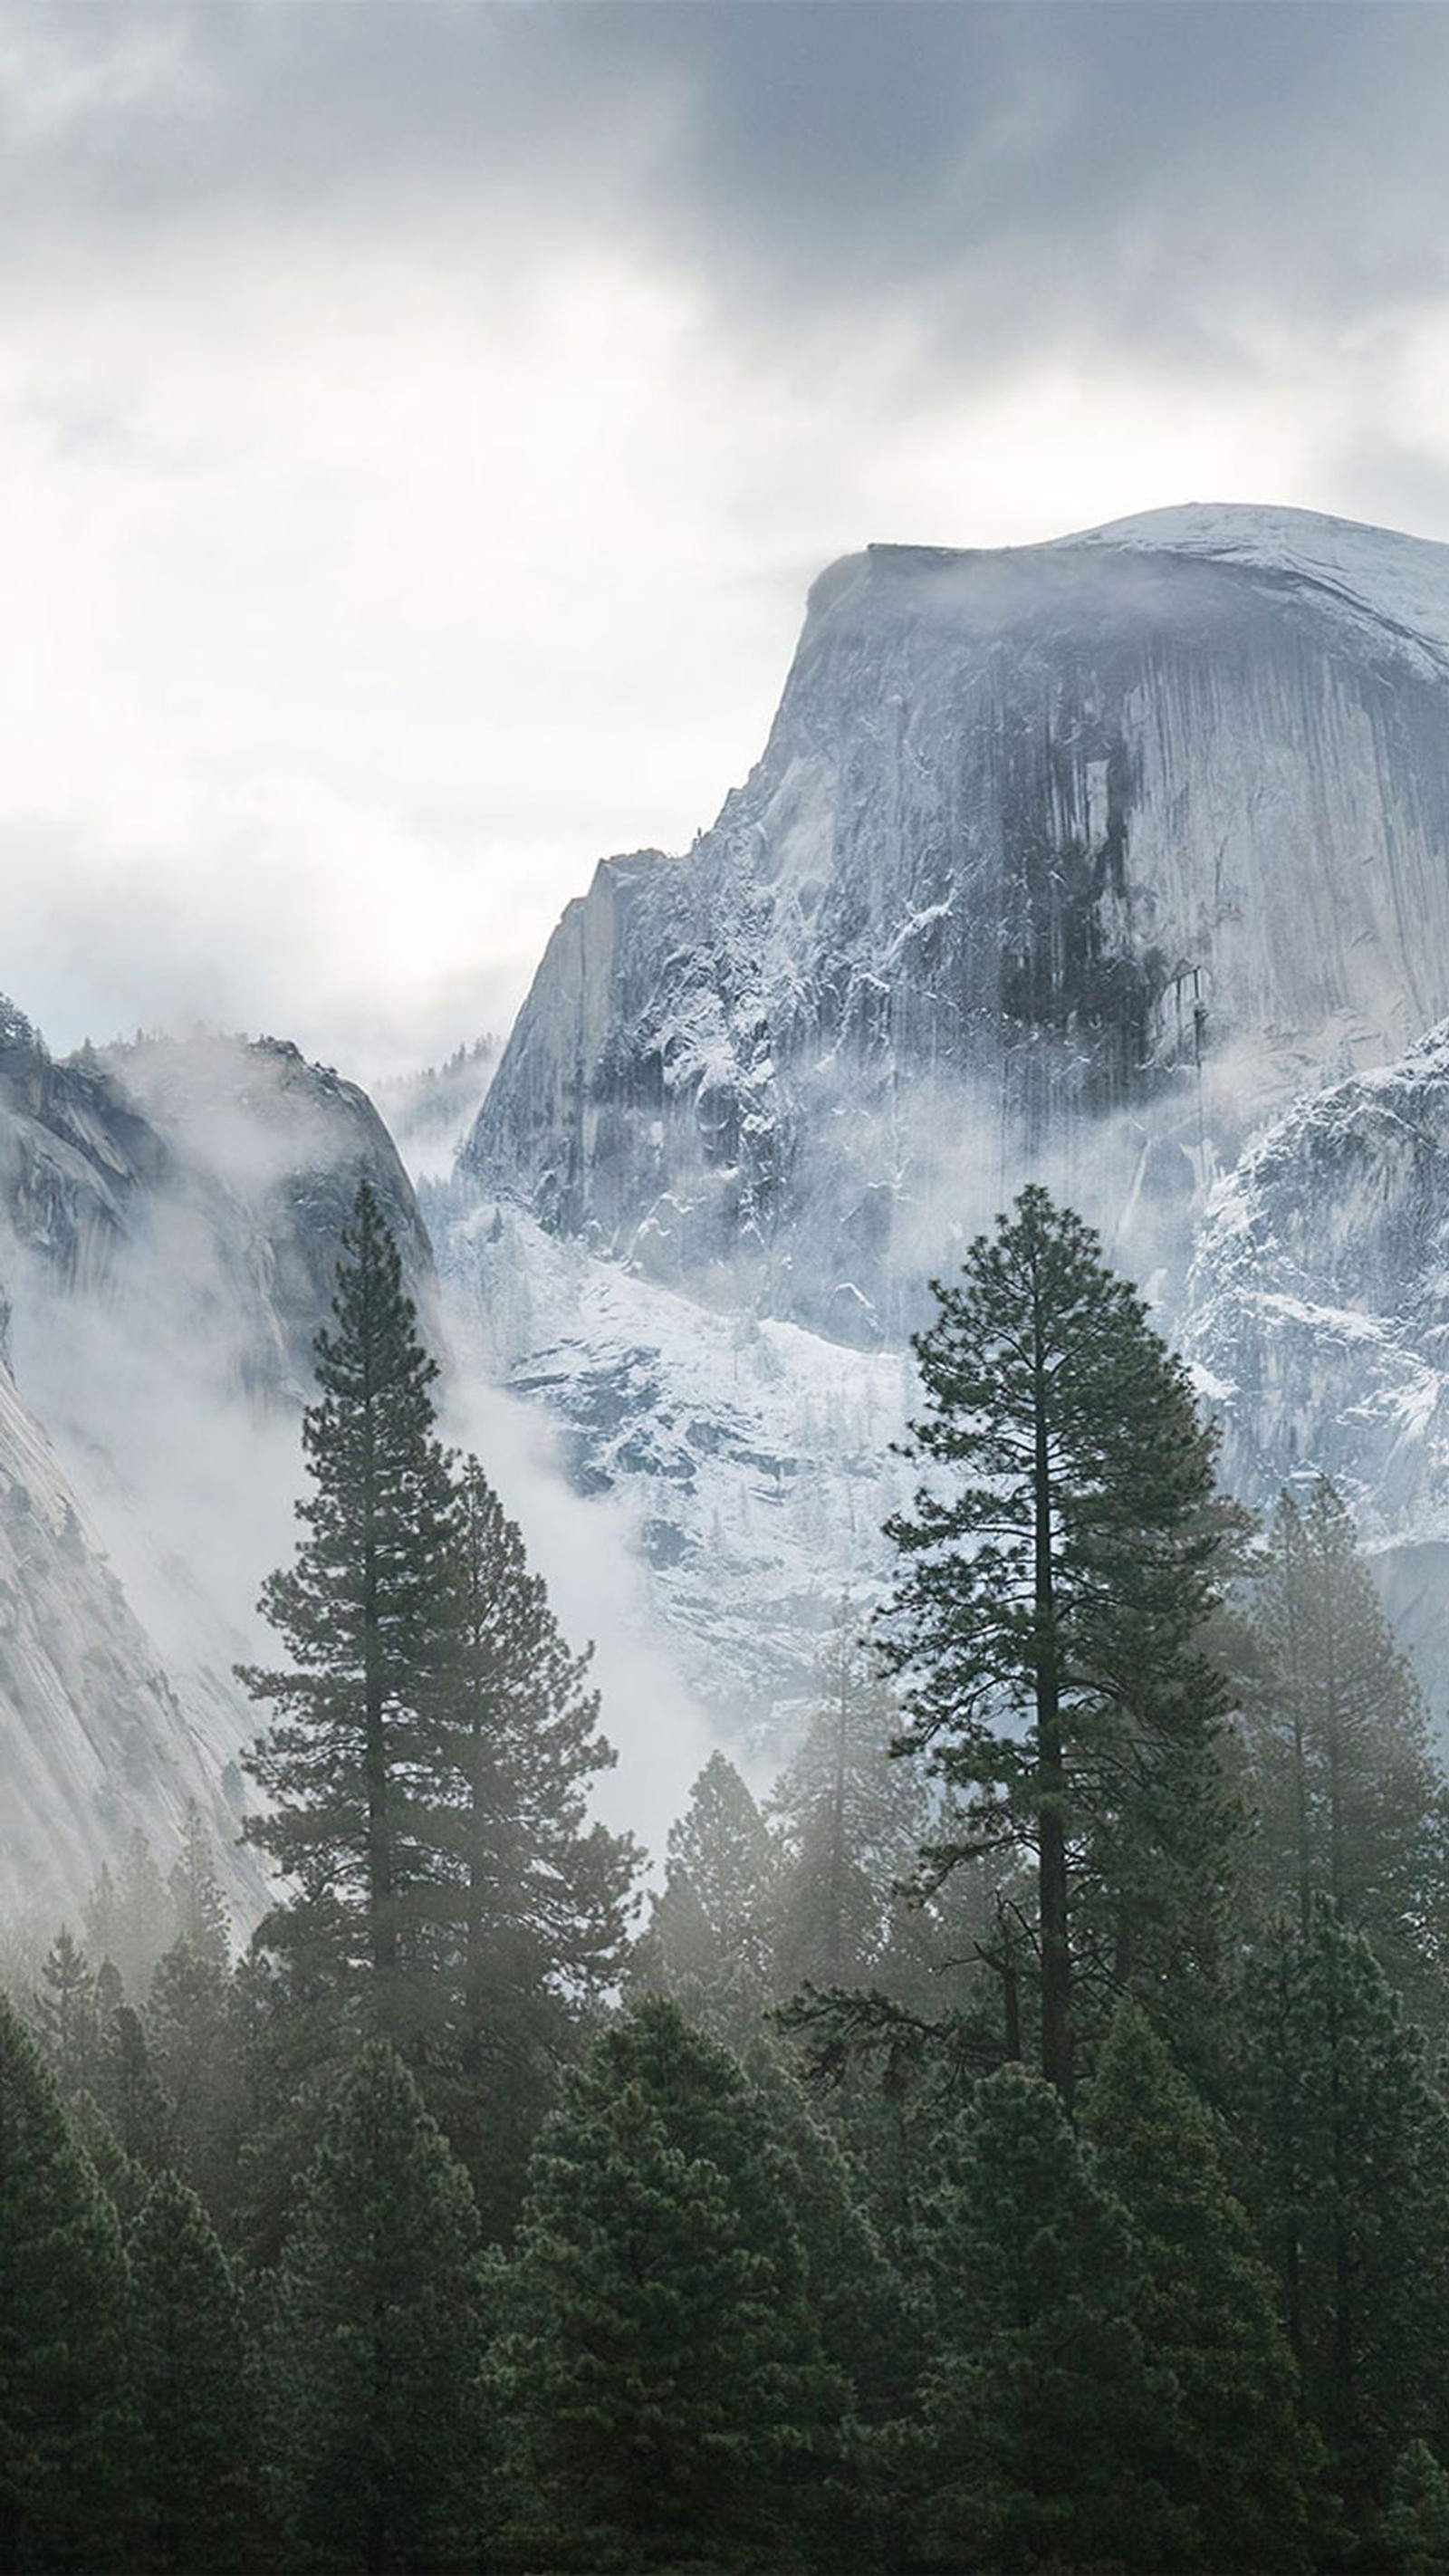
column 1011, row 2143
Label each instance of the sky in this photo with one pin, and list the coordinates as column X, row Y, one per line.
column 420, row 422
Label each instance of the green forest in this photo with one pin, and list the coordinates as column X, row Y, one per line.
column 1017, row 2143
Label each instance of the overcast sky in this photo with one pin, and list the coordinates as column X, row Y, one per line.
column 419, row 423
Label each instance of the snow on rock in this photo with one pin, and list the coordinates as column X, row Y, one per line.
column 1076, row 861
column 1318, row 1311
column 1319, row 1299
column 1083, row 855
column 1398, row 581
column 750, row 1460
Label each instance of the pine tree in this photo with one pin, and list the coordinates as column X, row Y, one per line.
column 377, row 2342
column 62, row 2357
column 1414, row 2536
column 132, row 2098
column 1057, row 1570
column 1050, row 2439
column 851, row 1822
column 1206, row 2310
column 195, row 2452
column 532, row 1901
column 711, row 1935
column 664, row 2376
column 365, row 1614
column 1352, row 1803
column 198, row 1907
column 67, row 2023
column 859, row 2303
column 195, row 2051
column 1347, row 2170
column 128, row 1916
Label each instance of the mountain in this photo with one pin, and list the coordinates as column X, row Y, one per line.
column 1317, row 1318
column 169, row 1222
column 1071, row 854
column 1121, row 861
column 1081, row 860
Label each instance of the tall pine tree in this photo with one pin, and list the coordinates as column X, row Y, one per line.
column 365, row 1613
column 1063, row 1555
column 1352, row 1803
column 531, row 1900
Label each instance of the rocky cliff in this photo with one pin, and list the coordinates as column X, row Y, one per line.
column 1079, row 855
column 1083, row 859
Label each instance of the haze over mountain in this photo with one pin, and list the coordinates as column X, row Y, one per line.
column 1052, row 853
column 1082, row 860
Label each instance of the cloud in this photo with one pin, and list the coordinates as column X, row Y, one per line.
column 1153, row 172
column 418, row 427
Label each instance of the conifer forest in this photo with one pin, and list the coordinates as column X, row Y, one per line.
column 1016, row 2144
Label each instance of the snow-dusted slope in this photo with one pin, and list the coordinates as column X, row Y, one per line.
column 1081, row 859
column 1398, row 582
column 747, row 1463
column 1078, row 855
column 1317, row 1315
column 1318, row 1307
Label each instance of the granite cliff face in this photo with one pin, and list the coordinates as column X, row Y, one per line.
column 1082, row 854
column 1084, row 860
column 1098, row 860
column 1317, row 1317
column 169, row 1220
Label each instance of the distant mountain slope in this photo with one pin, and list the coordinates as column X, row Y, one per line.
column 93, row 1740
column 1318, row 1305
column 1081, row 856
column 169, row 1224
column 1080, row 859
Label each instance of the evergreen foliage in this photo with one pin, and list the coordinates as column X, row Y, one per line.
column 1050, row 2439
column 195, row 2052
column 376, row 2343
column 365, row 1614
column 195, row 2456
column 890, row 2311
column 1352, row 1803
column 1206, row 2307
column 711, row 1935
column 532, row 1901
column 851, row 1823
column 198, row 1907
column 665, row 2377
column 128, row 1917
column 131, row 2097
column 1348, row 2163
column 1415, row 2530
column 1057, row 1570
column 66, row 2016
column 62, row 2355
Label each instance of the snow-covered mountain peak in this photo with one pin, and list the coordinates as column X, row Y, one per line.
column 1399, row 580
column 1082, row 857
